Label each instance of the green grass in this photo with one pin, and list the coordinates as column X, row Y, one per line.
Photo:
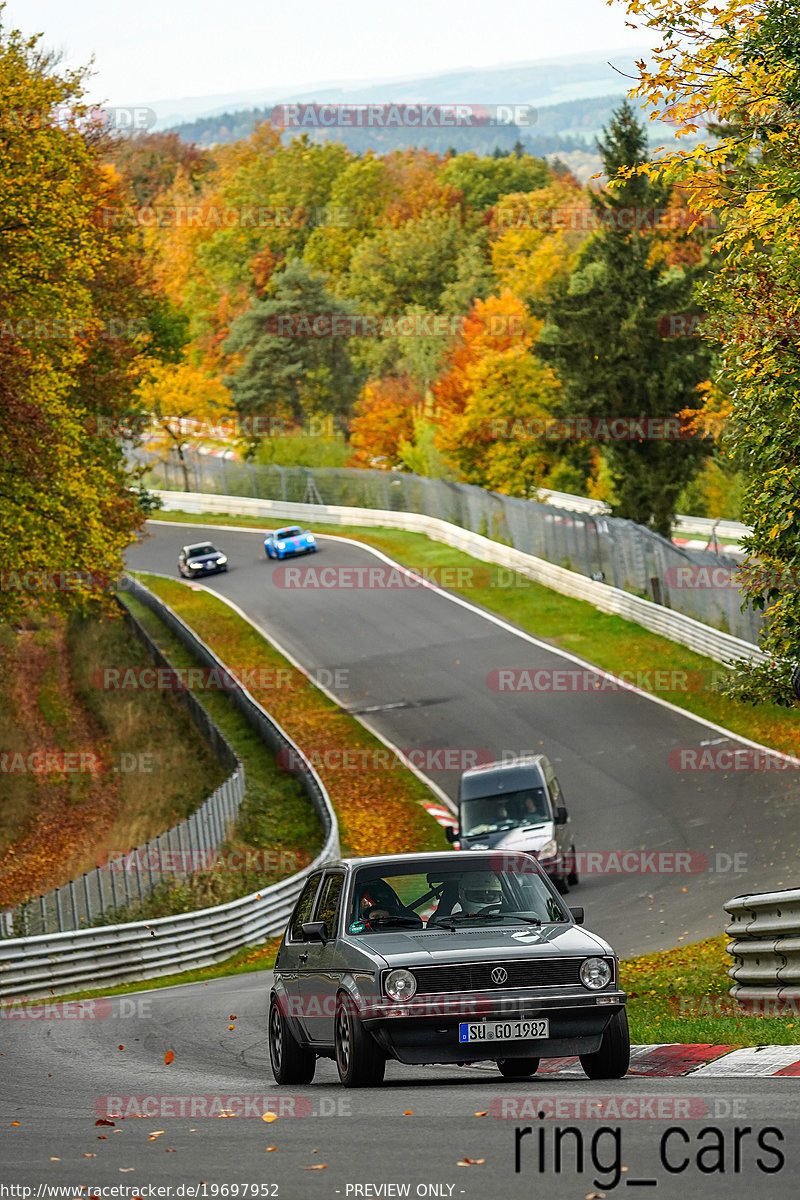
column 605, row 640
column 379, row 810
column 276, row 815
column 681, row 995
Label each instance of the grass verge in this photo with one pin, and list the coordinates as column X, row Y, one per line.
column 610, row 642
column 277, row 831
column 378, row 806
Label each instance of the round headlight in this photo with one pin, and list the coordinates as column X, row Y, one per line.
column 595, row 973
column 400, row 985
column 281, row 545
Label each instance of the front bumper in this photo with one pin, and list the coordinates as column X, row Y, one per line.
column 425, row 1029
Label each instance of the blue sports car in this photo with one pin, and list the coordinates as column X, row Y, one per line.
column 290, row 540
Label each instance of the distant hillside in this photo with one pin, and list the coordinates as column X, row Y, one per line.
column 541, row 82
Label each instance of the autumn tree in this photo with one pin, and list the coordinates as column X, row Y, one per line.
column 741, row 70
column 383, row 419
column 493, row 397
column 72, row 318
column 605, row 336
column 288, row 369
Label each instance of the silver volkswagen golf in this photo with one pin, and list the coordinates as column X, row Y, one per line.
column 441, row 958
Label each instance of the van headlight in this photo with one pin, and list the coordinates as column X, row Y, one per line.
column 548, row 850
column 400, row 984
column 595, row 974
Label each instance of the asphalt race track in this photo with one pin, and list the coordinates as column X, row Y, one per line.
column 61, row 1076
column 415, row 666
column 418, row 662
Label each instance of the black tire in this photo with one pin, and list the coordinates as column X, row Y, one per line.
column 359, row 1059
column 291, row 1062
column 561, row 885
column 572, row 877
column 611, row 1061
column 518, row 1068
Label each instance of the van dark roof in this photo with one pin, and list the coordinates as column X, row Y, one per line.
column 512, row 776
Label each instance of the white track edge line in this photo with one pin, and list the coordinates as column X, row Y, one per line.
column 501, row 623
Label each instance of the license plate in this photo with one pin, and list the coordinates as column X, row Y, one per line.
column 503, row 1031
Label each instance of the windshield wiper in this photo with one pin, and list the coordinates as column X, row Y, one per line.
column 450, row 923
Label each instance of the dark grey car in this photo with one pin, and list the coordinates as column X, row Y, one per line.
column 441, row 958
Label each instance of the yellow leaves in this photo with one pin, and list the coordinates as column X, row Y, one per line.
column 269, row 1117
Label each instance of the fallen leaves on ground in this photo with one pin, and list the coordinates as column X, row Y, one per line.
column 169, row 1057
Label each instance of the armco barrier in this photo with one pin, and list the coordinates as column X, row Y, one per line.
column 87, row 958
column 79, row 903
column 765, row 928
column 669, row 624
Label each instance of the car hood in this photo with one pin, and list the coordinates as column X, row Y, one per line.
column 529, row 838
column 401, row 948
column 205, row 558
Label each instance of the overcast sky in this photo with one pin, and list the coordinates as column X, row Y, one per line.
column 148, row 50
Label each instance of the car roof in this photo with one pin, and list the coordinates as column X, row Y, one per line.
column 289, row 529
column 198, row 545
column 434, row 857
column 508, row 776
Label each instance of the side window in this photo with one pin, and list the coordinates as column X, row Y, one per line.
column 555, row 792
column 328, row 906
column 302, row 910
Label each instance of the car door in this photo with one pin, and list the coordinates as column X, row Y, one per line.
column 293, row 952
column 563, row 831
column 320, row 967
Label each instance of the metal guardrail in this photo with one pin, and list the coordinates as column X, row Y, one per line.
column 682, row 523
column 184, row 849
column 675, row 626
column 111, row 954
column 765, row 928
column 625, row 555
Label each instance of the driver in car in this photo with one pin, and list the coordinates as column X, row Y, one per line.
column 478, row 890
column 379, row 903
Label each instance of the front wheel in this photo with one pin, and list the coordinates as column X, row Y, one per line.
column 359, row 1059
column 518, row 1068
column 291, row 1062
column 613, row 1058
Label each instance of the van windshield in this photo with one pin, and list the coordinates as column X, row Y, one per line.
column 488, row 814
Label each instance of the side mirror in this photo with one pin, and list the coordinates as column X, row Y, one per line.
column 451, row 833
column 577, row 915
column 315, row 931
column 561, row 815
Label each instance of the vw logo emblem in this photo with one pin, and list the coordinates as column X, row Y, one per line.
column 499, row 975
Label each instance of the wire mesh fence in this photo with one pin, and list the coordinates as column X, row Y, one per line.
column 698, row 583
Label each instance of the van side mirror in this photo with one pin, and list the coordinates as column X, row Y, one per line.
column 561, row 815
column 315, row 931
column 577, row 915
column 451, row 833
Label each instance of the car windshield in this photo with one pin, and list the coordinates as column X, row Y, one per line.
column 511, row 810
column 201, row 551
column 495, row 890
column 292, row 531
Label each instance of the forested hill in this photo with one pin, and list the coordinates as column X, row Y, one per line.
column 558, row 128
